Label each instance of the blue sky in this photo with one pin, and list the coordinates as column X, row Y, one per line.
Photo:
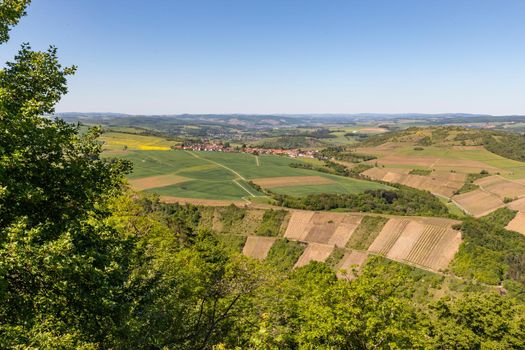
column 391, row 56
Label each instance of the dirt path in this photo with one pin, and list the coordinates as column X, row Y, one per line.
column 244, row 188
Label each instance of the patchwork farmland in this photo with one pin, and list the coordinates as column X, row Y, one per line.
column 428, row 243
column 220, row 178
column 444, row 169
column 184, row 176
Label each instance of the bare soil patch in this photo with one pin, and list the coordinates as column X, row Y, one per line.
column 258, row 247
column 439, row 182
column 299, row 225
column 518, row 205
column 436, row 221
column 501, row 187
column 435, row 247
column 314, row 252
column 416, row 242
column 285, row 181
column 518, row 223
column 479, row 202
column 406, row 241
column 320, row 227
column 373, row 130
column 344, row 230
column 388, row 235
column 156, row 181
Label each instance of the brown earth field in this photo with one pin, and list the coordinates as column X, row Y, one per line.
column 501, row 187
column 478, row 202
column 427, row 245
column 518, row 223
column 298, row 225
column 518, row 205
column 156, row 181
column 258, row 247
column 314, row 252
column 271, row 182
column 199, row 201
column 443, row 183
column 320, row 227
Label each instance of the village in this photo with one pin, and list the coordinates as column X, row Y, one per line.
column 219, row 147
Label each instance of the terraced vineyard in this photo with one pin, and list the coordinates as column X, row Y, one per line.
column 429, row 243
column 388, row 236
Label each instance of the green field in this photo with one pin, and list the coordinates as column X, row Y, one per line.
column 215, row 175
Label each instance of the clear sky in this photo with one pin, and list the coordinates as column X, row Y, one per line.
column 247, row 56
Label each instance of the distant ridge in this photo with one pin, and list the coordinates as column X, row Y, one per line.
column 282, row 120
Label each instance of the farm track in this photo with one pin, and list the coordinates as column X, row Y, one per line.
column 219, row 164
column 245, row 189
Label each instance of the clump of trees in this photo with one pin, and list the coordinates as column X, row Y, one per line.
column 341, row 153
column 402, row 201
column 491, row 254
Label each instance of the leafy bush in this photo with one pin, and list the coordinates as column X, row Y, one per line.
column 500, row 217
column 271, row 223
column 284, row 254
column 469, row 182
column 422, row 172
column 489, row 252
column 232, row 243
column 403, row 201
column 336, row 256
column 366, row 232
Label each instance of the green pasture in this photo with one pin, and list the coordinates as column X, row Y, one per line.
column 216, row 175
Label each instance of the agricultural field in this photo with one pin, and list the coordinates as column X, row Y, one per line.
column 417, row 241
column 348, row 135
column 443, row 183
column 518, row 223
column 122, row 141
column 451, row 163
column 226, row 176
column 345, row 239
column 428, row 243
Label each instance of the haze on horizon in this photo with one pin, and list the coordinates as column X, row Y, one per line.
column 174, row 57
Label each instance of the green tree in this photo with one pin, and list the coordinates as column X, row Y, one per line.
column 10, row 13
column 61, row 267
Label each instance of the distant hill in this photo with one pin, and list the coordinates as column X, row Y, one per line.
column 279, row 120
